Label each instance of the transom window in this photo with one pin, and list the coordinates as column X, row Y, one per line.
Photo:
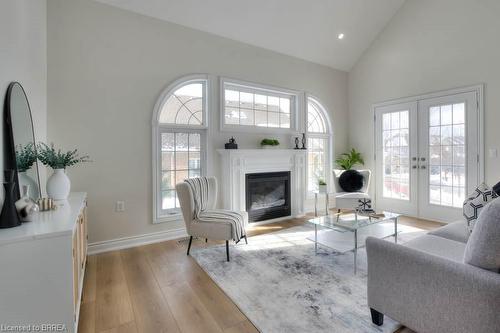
column 180, row 131
column 252, row 106
column 319, row 137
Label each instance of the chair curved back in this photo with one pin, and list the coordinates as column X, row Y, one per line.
column 186, row 200
column 366, row 185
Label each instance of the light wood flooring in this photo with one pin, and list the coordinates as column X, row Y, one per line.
column 157, row 288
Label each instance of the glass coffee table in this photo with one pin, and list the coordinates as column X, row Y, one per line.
column 339, row 222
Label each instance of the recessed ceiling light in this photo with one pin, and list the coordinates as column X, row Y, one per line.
column 340, row 36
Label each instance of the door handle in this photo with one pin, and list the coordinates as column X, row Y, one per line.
column 414, row 167
column 423, row 167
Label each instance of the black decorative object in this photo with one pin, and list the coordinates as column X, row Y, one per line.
column 296, row 142
column 351, row 181
column 364, row 204
column 303, row 141
column 9, row 217
column 231, row 144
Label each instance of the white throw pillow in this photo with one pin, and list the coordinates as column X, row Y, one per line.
column 475, row 202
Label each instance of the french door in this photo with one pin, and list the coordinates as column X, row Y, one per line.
column 427, row 155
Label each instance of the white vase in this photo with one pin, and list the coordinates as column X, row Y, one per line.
column 58, row 185
column 322, row 188
column 26, row 180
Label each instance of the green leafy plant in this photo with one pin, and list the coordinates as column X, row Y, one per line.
column 347, row 160
column 321, row 182
column 269, row 142
column 25, row 157
column 56, row 159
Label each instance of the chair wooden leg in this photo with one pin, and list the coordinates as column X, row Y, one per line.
column 227, row 250
column 206, row 240
column 189, row 246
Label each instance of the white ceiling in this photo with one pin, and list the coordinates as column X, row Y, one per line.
column 305, row 29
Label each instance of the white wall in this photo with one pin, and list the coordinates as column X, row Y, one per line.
column 23, row 57
column 106, row 69
column 430, row 45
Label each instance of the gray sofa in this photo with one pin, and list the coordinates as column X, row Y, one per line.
column 426, row 286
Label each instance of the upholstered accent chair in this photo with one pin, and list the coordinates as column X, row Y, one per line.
column 349, row 200
column 216, row 229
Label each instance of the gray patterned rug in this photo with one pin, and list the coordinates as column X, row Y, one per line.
column 282, row 286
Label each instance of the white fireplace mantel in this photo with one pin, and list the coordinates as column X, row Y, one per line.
column 236, row 163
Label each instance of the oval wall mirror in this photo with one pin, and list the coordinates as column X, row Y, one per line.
column 21, row 144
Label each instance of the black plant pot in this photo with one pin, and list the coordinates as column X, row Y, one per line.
column 9, row 217
column 351, row 181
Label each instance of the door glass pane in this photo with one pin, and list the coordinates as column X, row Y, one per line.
column 447, row 155
column 395, row 142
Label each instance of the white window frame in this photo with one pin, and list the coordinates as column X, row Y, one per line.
column 328, row 135
column 159, row 128
column 297, row 100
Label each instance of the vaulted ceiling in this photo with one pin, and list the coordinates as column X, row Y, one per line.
column 306, row 29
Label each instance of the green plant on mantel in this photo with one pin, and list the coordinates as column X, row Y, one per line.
column 56, row 159
column 347, row 160
column 269, row 142
column 25, row 157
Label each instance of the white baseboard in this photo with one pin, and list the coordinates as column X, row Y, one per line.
column 133, row 241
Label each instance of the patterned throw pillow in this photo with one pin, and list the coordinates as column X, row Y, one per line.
column 475, row 202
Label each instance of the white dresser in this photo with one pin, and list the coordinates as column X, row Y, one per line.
column 42, row 264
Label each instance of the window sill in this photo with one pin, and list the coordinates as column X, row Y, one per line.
column 168, row 219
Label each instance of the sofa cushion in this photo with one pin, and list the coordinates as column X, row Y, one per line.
column 456, row 231
column 438, row 246
column 475, row 202
column 483, row 247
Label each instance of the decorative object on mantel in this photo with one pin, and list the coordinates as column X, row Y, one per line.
column 231, row 144
column 296, row 143
column 304, row 141
column 269, row 143
column 25, row 158
column 350, row 180
column 25, row 206
column 322, row 187
column 58, row 184
column 9, row 217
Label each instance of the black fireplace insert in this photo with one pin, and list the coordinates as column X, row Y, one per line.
column 267, row 195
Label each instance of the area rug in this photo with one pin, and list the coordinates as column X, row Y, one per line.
column 281, row 285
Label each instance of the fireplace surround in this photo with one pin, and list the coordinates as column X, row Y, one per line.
column 238, row 163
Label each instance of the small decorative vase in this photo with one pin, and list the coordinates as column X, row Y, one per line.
column 25, row 180
column 322, row 188
column 25, row 206
column 303, row 141
column 58, row 185
column 9, row 217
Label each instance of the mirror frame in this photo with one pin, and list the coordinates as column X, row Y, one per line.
column 10, row 148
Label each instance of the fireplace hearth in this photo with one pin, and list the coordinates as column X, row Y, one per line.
column 267, row 195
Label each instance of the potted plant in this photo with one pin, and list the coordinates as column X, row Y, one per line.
column 347, row 160
column 322, row 186
column 58, row 184
column 25, row 158
column 350, row 180
column 269, row 143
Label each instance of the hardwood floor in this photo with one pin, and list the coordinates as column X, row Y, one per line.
column 157, row 288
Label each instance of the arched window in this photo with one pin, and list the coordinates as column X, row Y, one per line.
column 319, row 144
column 179, row 131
